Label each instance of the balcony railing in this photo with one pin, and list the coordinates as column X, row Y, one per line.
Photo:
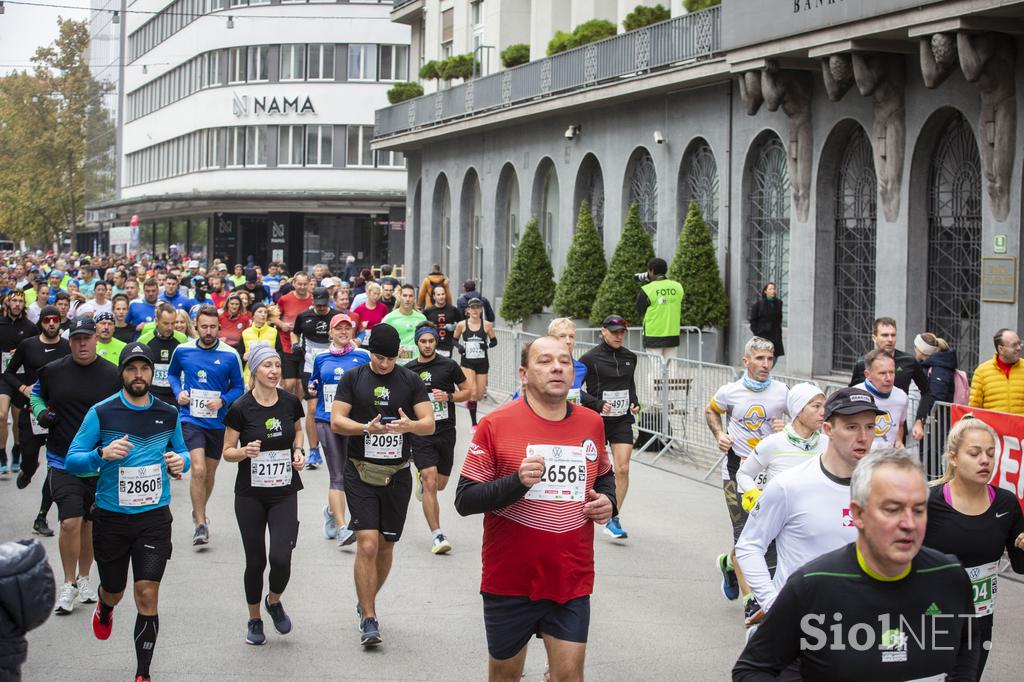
column 689, row 37
column 398, row 3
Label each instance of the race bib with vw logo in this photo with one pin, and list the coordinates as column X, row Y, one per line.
column 565, row 473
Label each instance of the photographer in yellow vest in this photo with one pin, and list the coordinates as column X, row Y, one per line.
column 659, row 303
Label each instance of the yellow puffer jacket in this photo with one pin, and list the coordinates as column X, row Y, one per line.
column 991, row 390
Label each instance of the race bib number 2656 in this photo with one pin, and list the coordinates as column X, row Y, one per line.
column 565, row 473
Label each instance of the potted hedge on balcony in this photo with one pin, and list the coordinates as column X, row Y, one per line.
column 514, row 55
column 401, row 92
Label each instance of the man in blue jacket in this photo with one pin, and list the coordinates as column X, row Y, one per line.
column 212, row 373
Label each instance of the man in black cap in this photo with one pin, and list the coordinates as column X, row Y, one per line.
column 610, row 376
column 805, row 510
column 64, row 392
column 15, row 327
column 258, row 292
column 373, row 405
column 20, row 375
column 134, row 443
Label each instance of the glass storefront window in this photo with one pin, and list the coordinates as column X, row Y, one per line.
column 177, row 240
column 198, row 239
column 160, row 239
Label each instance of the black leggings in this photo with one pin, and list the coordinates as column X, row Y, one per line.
column 255, row 515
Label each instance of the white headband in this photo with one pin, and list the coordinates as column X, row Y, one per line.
column 923, row 346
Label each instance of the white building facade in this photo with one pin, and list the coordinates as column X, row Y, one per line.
column 245, row 130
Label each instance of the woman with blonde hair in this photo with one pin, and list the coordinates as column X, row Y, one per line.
column 183, row 324
column 940, row 364
column 975, row 521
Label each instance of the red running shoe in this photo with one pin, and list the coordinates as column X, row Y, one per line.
column 143, row 678
column 98, row 628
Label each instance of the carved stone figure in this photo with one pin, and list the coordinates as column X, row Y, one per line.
column 837, row 72
column 938, row 58
column 750, row 91
column 882, row 77
column 791, row 90
column 988, row 60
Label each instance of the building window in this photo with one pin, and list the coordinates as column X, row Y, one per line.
column 293, row 62
column 394, row 62
column 476, row 11
column 390, row 160
column 289, row 146
column 209, row 139
column 216, row 5
column 258, row 63
column 448, row 25
column 362, row 62
column 236, row 65
column 320, row 62
column 256, row 146
column 213, row 68
column 236, row 147
column 359, row 153
column 768, row 223
column 319, row 145
column 239, row 3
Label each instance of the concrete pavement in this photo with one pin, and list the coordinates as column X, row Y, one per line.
column 658, row 613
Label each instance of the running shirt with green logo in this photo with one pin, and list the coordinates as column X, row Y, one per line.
column 270, row 474
column 911, row 627
column 887, row 426
column 406, row 327
column 444, row 374
column 750, row 414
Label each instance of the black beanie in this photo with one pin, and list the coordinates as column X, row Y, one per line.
column 384, row 341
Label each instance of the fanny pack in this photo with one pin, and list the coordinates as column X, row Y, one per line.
column 377, row 475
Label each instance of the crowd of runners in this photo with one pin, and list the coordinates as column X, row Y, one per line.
column 126, row 375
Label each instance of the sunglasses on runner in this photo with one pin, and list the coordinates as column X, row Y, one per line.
column 50, row 318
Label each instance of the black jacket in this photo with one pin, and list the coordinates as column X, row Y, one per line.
column 27, row 592
column 907, row 370
column 766, row 322
column 610, row 369
column 463, row 303
column 941, row 369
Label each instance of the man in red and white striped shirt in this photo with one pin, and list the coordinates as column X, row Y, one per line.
column 537, row 468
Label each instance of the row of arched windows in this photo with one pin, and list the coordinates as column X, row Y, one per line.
column 954, row 224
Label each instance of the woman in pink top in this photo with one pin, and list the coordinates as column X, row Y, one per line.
column 372, row 311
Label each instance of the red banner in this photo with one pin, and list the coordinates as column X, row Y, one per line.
column 1007, row 472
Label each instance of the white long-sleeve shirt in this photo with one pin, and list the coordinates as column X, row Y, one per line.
column 806, row 511
column 773, row 455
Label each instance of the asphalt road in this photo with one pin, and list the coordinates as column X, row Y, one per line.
column 657, row 614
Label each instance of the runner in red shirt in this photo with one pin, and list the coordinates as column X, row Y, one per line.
column 537, row 468
column 291, row 304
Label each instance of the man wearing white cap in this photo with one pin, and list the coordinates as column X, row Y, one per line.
column 798, row 441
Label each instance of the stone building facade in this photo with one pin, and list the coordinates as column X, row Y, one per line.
column 861, row 155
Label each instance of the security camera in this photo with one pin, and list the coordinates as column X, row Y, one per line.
column 658, row 137
column 571, row 132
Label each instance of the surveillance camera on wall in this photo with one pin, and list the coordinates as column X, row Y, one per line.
column 658, row 137
column 572, row 132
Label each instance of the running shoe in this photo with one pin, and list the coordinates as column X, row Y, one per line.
column 418, row 485
column 24, row 478
column 66, row 599
column 86, row 592
column 441, row 545
column 99, row 628
column 330, row 525
column 15, row 467
column 314, row 460
column 282, row 623
column 254, row 633
column 202, row 535
column 346, row 536
column 4, row 472
column 730, row 587
column 370, row 632
column 143, row 678
column 752, row 612
column 613, row 529
column 40, row 527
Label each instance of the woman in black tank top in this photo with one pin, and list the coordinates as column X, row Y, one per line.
column 473, row 336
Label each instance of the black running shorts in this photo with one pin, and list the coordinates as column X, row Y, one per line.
column 510, row 622
column 144, row 539
column 380, row 508
column 73, row 496
column 437, row 450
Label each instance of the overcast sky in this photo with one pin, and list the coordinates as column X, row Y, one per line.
column 24, row 28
